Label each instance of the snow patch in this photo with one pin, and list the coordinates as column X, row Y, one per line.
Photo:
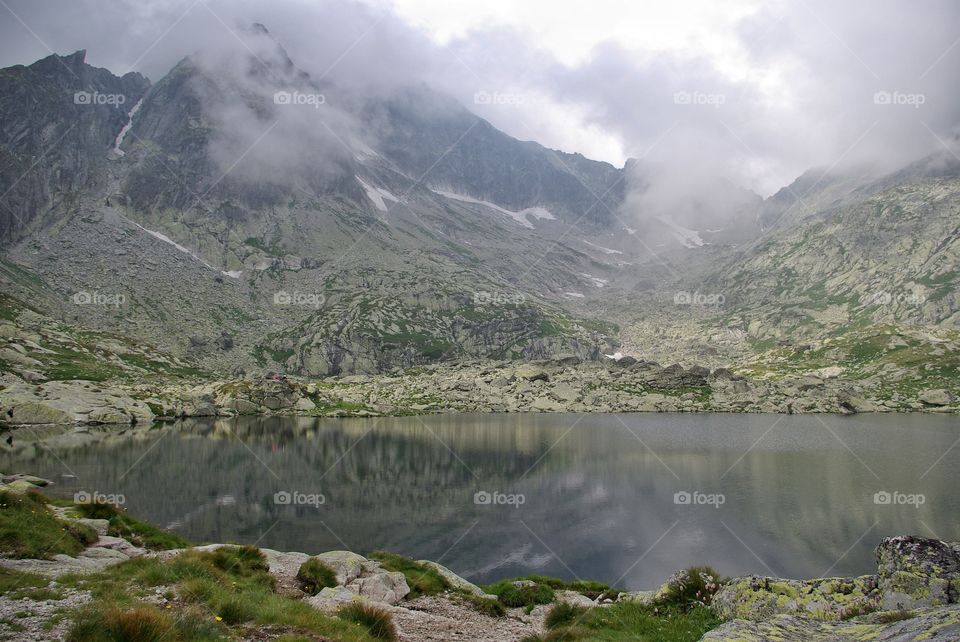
column 605, row 250
column 596, row 280
column 616, row 356
column 688, row 237
column 233, row 274
column 522, row 217
column 126, row 128
column 577, row 295
column 377, row 195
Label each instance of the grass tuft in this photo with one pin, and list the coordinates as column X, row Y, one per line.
column 314, row 576
column 377, row 621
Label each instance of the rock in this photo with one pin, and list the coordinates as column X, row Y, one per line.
column 643, row 598
column 386, row 587
column 36, row 481
column 758, row 598
column 937, row 397
column 18, row 487
column 575, row 599
column 531, row 372
column 939, row 625
column 347, row 565
column 546, row 404
column 453, row 579
column 564, row 392
column 330, row 599
column 915, row 572
column 101, row 526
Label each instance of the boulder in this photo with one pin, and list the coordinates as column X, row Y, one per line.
column 759, row 598
column 939, row 625
column 329, row 599
column 347, row 565
column 531, row 372
column 915, row 572
column 936, row 397
column 386, row 587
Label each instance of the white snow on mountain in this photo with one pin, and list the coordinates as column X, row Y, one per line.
column 522, row 217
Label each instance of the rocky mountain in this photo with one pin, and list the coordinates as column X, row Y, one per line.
column 243, row 216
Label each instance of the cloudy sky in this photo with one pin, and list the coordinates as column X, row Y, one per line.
column 754, row 91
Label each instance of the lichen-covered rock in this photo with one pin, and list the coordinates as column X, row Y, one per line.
column 916, row 572
column 386, row 587
column 936, row 625
column 347, row 565
column 758, row 598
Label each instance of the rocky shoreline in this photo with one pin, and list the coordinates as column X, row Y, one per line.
column 559, row 385
column 913, row 595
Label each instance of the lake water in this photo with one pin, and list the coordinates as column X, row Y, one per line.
column 594, row 496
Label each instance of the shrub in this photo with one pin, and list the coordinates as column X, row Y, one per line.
column 376, row 620
column 315, row 576
column 691, row 587
column 525, row 595
column 563, row 614
column 141, row 624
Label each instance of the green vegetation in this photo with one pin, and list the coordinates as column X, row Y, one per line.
column 137, row 531
column 375, row 619
column 528, row 594
column 563, row 614
column 421, row 579
column 629, row 621
column 144, row 624
column 17, row 585
column 315, row 576
column 28, row 529
column 691, row 588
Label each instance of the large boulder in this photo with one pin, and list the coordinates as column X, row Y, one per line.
column 937, row 397
column 916, row 572
column 759, row 598
column 386, row 587
column 938, row 625
column 347, row 565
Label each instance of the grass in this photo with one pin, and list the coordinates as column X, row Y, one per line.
column 28, row 529
column 889, row 617
column 17, row 585
column 421, row 579
column 521, row 596
column 376, row 620
column 563, row 614
column 315, row 576
column 230, row 583
column 137, row 531
column 589, row 588
column 629, row 621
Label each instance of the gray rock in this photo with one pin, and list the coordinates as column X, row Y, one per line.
column 453, row 579
column 937, row 397
column 916, row 572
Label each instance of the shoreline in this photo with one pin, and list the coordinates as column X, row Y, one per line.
column 565, row 385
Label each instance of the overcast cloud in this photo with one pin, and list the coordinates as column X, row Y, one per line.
column 757, row 92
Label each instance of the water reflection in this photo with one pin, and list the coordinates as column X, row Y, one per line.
column 599, row 490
